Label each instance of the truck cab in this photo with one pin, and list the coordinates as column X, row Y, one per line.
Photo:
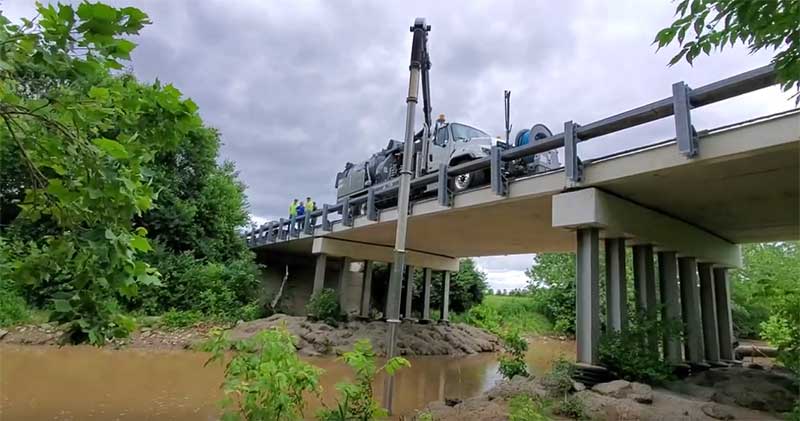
column 456, row 143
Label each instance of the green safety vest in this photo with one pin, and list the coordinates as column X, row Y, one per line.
column 309, row 206
column 293, row 209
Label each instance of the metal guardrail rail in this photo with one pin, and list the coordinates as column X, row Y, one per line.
column 679, row 105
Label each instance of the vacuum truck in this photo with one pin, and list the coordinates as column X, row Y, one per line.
column 442, row 142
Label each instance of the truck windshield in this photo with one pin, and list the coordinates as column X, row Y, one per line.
column 461, row 131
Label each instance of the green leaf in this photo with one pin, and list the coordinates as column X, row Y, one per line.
column 149, row 279
column 62, row 306
column 111, row 147
column 98, row 93
column 140, row 243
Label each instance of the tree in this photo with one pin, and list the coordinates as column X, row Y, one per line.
column 551, row 280
column 757, row 24
column 467, row 287
column 85, row 168
column 97, row 162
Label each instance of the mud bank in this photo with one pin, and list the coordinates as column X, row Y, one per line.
column 317, row 338
column 314, row 338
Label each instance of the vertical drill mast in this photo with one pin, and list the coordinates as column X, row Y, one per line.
column 420, row 63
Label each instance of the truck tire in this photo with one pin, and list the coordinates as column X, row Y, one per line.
column 466, row 181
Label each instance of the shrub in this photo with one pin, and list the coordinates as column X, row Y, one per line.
column 558, row 381
column 512, row 362
column 13, row 309
column 571, row 407
column 625, row 354
column 178, row 319
column 220, row 290
column 264, row 379
column 782, row 330
column 324, row 306
column 482, row 316
column 358, row 402
column 525, row 408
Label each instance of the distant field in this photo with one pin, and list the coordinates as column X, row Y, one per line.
column 518, row 313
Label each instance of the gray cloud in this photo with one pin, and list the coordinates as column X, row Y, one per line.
column 299, row 88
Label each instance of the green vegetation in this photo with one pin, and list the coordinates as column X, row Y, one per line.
column 761, row 25
column 358, row 402
column 552, row 284
column 625, row 354
column 324, row 306
column 113, row 201
column 174, row 319
column 500, row 313
column 525, row 408
column 512, row 362
column 264, row 378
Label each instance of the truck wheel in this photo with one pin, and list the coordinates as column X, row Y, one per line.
column 464, row 181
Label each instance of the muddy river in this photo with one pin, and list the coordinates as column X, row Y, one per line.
column 79, row 383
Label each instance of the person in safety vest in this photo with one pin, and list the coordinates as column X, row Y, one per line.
column 293, row 208
column 310, row 205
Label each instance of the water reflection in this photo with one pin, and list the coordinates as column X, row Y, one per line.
column 77, row 383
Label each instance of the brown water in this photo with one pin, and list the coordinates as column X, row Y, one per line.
column 78, row 383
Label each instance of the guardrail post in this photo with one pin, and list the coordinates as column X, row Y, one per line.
column 372, row 210
column 347, row 214
column 293, row 226
column 573, row 167
column 257, row 235
column 326, row 224
column 496, row 178
column 270, row 234
column 308, row 226
column 442, row 188
column 685, row 135
column 281, row 232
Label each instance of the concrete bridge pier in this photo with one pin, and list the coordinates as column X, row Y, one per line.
column 670, row 305
column 426, row 296
column 319, row 272
column 644, row 284
column 723, row 307
column 690, row 309
column 708, row 310
column 616, row 285
column 587, row 320
column 366, row 289
column 445, row 311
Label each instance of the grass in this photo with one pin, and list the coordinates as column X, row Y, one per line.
column 500, row 313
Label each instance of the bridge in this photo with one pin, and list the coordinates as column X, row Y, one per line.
column 683, row 205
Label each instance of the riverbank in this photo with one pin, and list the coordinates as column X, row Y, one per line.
column 314, row 338
column 718, row 394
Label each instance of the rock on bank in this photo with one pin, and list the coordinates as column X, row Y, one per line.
column 318, row 338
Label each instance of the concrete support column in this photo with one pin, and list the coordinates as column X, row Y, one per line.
column 724, row 322
column 644, row 281
column 616, row 285
column 670, row 304
column 410, row 270
column 366, row 289
column 690, row 306
column 708, row 311
column 426, row 296
column 344, row 276
column 587, row 320
column 319, row 273
column 445, row 297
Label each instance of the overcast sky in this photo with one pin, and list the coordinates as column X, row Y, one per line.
column 299, row 88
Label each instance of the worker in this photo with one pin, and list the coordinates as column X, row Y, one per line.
column 310, row 205
column 293, row 208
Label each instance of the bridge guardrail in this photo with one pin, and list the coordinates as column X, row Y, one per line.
column 678, row 105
